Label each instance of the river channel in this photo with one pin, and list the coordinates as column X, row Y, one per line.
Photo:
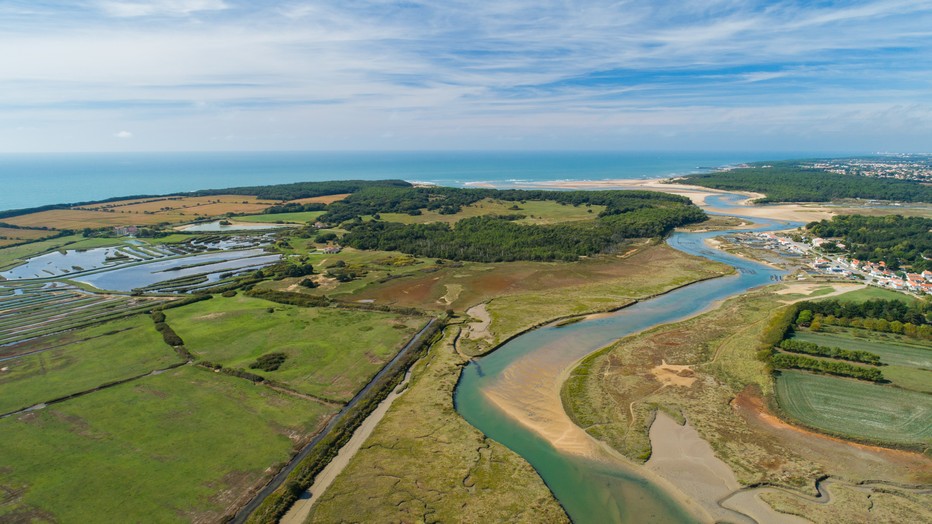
column 590, row 487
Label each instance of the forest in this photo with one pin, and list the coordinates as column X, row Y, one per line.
column 628, row 214
column 893, row 239
column 450, row 200
column 302, row 189
column 917, row 313
column 787, row 182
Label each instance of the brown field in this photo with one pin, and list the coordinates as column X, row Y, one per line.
column 142, row 212
column 326, row 199
column 10, row 236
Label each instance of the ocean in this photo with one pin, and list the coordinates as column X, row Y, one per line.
column 31, row 180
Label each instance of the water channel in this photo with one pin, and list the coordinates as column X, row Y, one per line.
column 601, row 491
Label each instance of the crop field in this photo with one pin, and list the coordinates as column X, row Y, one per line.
column 331, row 353
column 36, row 310
column 535, row 212
column 902, row 352
column 82, row 360
column 141, row 213
column 856, row 409
column 10, row 235
column 184, row 445
column 326, row 199
column 291, row 218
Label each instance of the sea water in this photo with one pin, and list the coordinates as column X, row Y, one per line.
column 30, row 180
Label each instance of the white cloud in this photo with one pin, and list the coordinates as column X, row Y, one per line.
column 121, row 9
column 123, row 135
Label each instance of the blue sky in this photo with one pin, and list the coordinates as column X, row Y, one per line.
column 151, row 75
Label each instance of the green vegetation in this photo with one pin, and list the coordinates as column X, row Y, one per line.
column 270, row 362
column 872, row 292
column 796, row 346
column 893, row 239
column 529, row 212
column 491, row 238
column 451, row 471
column 300, row 190
column 787, row 182
column 831, row 367
column 854, row 409
column 182, row 445
column 330, row 352
column 891, row 349
column 81, row 360
column 302, row 217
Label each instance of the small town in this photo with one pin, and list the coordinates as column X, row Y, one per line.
column 807, row 256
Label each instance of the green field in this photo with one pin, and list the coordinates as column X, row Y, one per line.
column 893, row 352
column 180, row 446
column 856, row 409
column 534, row 211
column 85, row 359
column 272, row 218
column 331, row 352
column 871, row 292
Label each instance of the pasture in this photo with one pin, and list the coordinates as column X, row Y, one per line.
column 184, row 445
column 872, row 292
column 331, row 353
column 82, row 360
column 855, row 409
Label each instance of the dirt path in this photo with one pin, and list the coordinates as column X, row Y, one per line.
column 302, row 507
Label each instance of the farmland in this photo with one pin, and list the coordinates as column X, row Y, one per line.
column 892, row 350
column 534, row 212
column 331, row 353
column 108, row 453
column 81, row 360
column 37, row 310
column 141, row 212
column 879, row 413
column 301, row 217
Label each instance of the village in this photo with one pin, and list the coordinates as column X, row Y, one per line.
column 809, row 259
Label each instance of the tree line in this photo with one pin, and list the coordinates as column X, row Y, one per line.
column 808, row 348
column 893, row 239
column 789, row 182
column 917, row 313
column 829, row 367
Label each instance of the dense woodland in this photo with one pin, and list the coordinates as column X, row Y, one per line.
column 917, row 313
column 893, row 239
column 302, row 189
column 628, row 214
column 787, row 182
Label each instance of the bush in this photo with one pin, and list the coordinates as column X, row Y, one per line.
column 269, row 362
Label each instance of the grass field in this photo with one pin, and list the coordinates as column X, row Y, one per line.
column 110, row 455
column 326, row 199
column 535, row 212
column 82, row 360
column 895, row 350
column 856, row 409
column 331, row 352
column 424, row 460
column 872, row 292
column 291, row 218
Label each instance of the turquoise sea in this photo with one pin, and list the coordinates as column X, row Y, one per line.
column 31, row 180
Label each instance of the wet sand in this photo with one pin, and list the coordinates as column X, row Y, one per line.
column 687, row 461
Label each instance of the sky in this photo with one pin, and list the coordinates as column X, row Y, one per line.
column 215, row 75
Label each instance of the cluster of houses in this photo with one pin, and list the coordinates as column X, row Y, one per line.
column 878, row 272
column 125, row 231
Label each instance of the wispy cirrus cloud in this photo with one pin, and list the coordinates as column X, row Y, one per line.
column 454, row 73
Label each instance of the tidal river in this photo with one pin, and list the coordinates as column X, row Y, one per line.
column 512, row 394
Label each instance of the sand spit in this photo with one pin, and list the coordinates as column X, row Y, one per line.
column 529, row 392
column 698, row 194
column 302, row 507
column 687, row 461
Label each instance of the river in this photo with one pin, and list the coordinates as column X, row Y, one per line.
column 593, row 486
